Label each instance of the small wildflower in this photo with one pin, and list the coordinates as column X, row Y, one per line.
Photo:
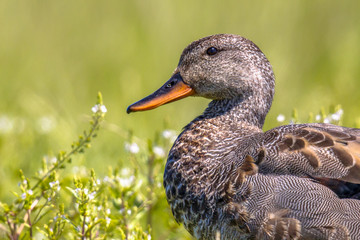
column 327, row 120
column 159, row 151
column 280, row 118
column 99, row 208
column 335, row 117
column 98, row 181
column 53, row 184
column 92, row 195
column 108, row 220
column 95, row 108
column 80, row 170
column 318, row 117
column 148, row 237
column 53, row 160
column 87, row 219
column 46, row 124
column 125, row 171
column 77, row 190
column 30, row 192
column 129, row 212
column 86, row 191
column 126, row 182
column 106, row 179
column 23, row 196
column 132, row 148
column 99, row 108
column 25, row 182
column 168, row 133
column 108, row 211
column 6, row 124
column 103, row 109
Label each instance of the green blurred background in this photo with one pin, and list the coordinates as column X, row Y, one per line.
column 56, row 55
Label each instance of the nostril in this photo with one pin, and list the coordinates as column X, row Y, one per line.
column 170, row 84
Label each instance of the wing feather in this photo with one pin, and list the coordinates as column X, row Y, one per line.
column 316, row 150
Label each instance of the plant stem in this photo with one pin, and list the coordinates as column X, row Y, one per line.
column 75, row 150
column 151, row 186
column 83, row 228
column 30, row 225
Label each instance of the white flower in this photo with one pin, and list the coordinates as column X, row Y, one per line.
column 95, row 108
column 92, row 195
column 280, row 118
column 6, row 124
column 132, row 148
column 30, row 192
column 106, row 179
column 53, row 160
column 79, row 170
column 52, row 184
column 108, row 211
column 98, row 181
column 159, row 151
column 86, row 191
column 327, row 120
column 103, row 109
column 55, row 184
column 318, row 117
column 335, row 116
column 87, row 219
column 129, row 212
column 108, row 220
column 23, row 196
column 169, row 134
column 24, row 182
column 126, row 182
column 148, row 237
column 77, row 190
column 125, row 171
column 46, row 124
column 99, row 108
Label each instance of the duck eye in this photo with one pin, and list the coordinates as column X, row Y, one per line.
column 211, row 51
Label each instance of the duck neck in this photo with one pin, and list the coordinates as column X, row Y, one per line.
column 244, row 111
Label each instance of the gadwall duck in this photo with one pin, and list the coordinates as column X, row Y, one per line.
column 227, row 179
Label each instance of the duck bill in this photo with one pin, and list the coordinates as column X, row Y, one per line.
column 174, row 89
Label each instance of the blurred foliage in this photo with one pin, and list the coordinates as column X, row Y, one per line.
column 55, row 55
column 128, row 203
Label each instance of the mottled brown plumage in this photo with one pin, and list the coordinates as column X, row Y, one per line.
column 226, row 177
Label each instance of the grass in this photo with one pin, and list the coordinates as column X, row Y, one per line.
column 55, row 56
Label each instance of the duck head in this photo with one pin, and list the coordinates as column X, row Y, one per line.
column 219, row 67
